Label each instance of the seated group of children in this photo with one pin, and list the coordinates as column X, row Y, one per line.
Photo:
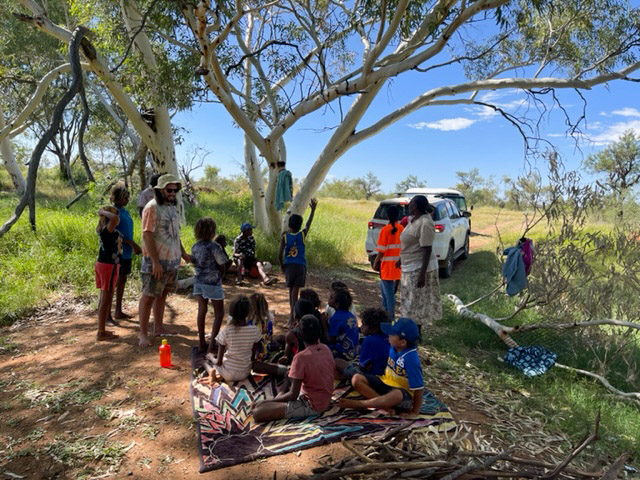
column 384, row 367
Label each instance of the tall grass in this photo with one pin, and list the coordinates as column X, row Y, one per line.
column 60, row 256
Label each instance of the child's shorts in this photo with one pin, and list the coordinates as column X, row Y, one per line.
column 152, row 287
column 382, row 388
column 230, row 375
column 295, row 274
column 351, row 369
column 299, row 408
column 210, row 292
column 106, row 275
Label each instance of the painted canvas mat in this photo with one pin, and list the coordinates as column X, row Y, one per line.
column 227, row 434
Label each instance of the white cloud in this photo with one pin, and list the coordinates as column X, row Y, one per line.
column 446, row 124
column 613, row 132
column 627, row 112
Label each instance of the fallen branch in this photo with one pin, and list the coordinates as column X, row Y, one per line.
column 504, row 333
column 587, row 440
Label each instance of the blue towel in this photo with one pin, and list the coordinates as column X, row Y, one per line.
column 284, row 189
column 531, row 361
column 513, row 270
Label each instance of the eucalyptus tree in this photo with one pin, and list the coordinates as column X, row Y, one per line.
column 273, row 64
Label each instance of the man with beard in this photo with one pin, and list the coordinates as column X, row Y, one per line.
column 161, row 250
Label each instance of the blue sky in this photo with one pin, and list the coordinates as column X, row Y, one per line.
column 432, row 143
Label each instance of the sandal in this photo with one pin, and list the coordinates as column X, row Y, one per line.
column 240, row 283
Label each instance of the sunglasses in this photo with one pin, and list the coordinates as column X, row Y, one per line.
column 172, row 190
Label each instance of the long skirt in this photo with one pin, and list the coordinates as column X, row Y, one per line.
column 422, row 305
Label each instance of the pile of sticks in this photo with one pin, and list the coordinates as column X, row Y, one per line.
column 392, row 457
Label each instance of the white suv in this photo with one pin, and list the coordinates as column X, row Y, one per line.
column 452, row 230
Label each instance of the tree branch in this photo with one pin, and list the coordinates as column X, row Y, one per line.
column 28, row 198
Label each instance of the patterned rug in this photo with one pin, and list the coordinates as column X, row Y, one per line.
column 228, row 435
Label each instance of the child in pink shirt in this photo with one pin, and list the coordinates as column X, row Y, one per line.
column 311, row 374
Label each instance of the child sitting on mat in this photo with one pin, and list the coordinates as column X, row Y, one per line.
column 293, row 341
column 343, row 335
column 311, row 374
column 374, row 350
column 263, row 318
column 400, row 388
column 237, row 344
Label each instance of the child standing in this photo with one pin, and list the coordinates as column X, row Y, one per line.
column 292, row 256
column 374, row 350
column 107, row 266
column 209, row 261
column 400, row 387
column 120, row 199
column 261, row 317
column 311, row 375
column 385, row 262
column 237, row 343
column 343, row 332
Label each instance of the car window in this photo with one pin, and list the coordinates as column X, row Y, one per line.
column 460, row 203
column 381, row 212
column 441, row 212
column 455, row 213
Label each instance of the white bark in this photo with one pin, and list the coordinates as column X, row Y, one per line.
column 503, row 332
column 158, row 141
column 164, row 151
column 9, row 160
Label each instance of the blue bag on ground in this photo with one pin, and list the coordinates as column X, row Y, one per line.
column 532, row 360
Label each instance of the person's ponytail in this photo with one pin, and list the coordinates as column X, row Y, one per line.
column 393, row 213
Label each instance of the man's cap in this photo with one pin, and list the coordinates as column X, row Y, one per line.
column 166, row 179
column 246, row 226
column 403, row 327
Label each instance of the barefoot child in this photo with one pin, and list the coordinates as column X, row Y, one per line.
column 237, row 343
column 400, row 387
column 209, row 260
column 311, row 375
column 107, row 266
column 292, row 256
column 120, row 199
column 374, row 350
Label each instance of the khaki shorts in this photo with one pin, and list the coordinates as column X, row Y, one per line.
column 152, row 287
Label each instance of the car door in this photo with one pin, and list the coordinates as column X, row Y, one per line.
column 457, row 223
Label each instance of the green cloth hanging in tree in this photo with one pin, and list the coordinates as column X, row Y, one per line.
column 284, row 189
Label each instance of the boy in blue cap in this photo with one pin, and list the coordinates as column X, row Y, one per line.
column 244, row 255
column 400, row 387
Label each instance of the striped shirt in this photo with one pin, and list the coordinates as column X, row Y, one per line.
column 389, row 245
column 239, row 343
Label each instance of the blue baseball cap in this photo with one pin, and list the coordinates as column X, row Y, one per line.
column 403, row 327
column 246, row 226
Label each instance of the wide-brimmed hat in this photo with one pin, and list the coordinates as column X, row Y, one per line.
column 166, row 179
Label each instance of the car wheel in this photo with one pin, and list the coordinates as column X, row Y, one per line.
column 447, row 270
column 465, row 252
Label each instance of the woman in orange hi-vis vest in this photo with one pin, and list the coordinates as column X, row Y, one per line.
column 388, row 254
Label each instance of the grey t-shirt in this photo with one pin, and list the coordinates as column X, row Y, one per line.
column 418, row 233
column 207, row 257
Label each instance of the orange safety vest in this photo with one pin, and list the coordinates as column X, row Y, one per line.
column 389, row 246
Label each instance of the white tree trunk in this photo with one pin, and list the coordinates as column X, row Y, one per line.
column 9, row 160
column 252, row 165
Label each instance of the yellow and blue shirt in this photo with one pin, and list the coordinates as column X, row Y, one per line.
column 403, row 370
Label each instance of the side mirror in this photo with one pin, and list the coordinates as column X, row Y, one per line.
column 466, row 214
